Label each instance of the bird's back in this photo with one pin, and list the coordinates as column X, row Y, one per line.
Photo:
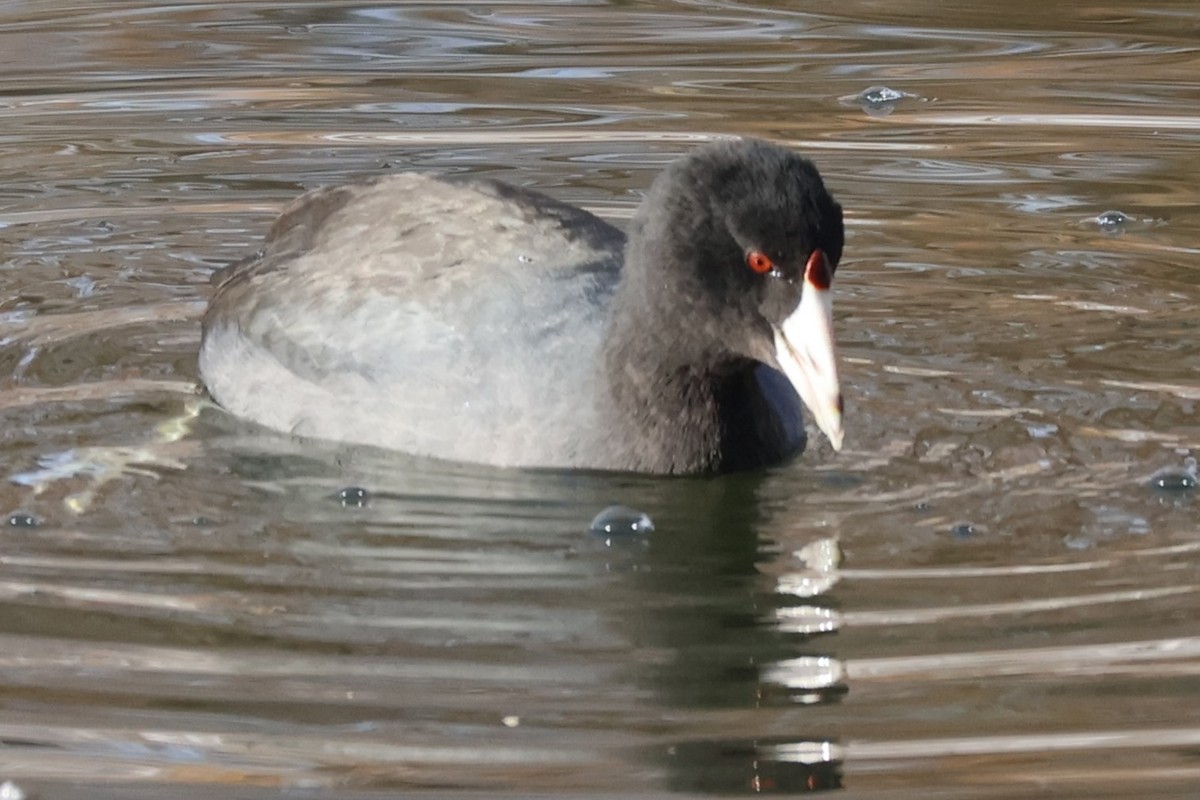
column 453, row 317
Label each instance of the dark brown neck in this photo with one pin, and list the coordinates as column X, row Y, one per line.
column 680, row 402
column 662, row 382
column 667, row 417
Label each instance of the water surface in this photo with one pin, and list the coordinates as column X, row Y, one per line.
column 984, row 595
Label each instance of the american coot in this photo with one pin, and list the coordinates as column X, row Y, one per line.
column 467, row 319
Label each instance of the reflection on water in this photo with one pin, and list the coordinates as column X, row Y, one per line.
column 989, row 593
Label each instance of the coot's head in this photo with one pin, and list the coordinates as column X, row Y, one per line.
column 737, row 246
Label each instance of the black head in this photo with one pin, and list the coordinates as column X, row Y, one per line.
column 733, row 251
column 708, row 215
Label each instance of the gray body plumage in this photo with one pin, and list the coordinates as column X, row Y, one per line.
column 423, row 340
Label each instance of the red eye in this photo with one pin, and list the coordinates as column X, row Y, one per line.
column 758, row 261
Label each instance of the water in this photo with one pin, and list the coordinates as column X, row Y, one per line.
column 990, row 593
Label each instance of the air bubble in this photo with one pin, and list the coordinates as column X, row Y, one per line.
column 1113, row 220
column 354, row 497
column 1173, row 481
column 964, row 530
column 877, row 101
column 621, row 521
column 878, row 95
